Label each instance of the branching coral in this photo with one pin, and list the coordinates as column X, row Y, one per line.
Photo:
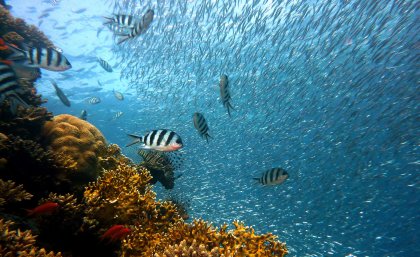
column 184, row 250
column 9, row 192
column 78, row 139
column 39, row 170
column 17, row 243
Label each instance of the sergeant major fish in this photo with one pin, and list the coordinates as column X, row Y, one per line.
column 60, row 94
column 9, row 88
column 200, row 124
column 46, row 58
column 161, row 140
column 104, row 64
column 139, row 27
column 224, row 92
column 274, row 176
column 93, row 100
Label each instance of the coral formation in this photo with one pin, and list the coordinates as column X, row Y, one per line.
column 27, row 162
column 14, row 242
column 78, row 139
column 9, row 192
column 29, row 33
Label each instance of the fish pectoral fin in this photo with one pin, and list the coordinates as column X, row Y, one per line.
column 134, row 142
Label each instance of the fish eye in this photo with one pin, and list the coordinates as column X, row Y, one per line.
column 179, row 141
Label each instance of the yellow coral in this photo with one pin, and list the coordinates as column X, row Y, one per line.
column 17, row 243
column 77, row 139
column 9, row 192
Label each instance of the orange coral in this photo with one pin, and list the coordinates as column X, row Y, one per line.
column 17, row 243
column 76, row 138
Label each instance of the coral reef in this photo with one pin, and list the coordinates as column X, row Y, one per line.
column 77, row 139
column 27, row 162
column 14, row 242
column 9, row 192
column 29, row 33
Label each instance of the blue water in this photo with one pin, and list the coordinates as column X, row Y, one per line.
column 328, row 90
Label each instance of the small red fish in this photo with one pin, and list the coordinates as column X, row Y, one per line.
column 46, row 208
column 115, row 232
column 120, row 234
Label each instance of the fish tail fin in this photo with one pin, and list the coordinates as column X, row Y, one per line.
column 18, row 54
column 108, row 20
column 29, row 212
column 207, row 138
column 229, row 107
column 257, row 180
column 123, row 39
column 137, row 139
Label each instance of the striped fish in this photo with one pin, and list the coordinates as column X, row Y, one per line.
column 45, row 58
column 139, row 27
column 117, row 115
column 10, row 90
column 94, row 100
column 104, row 64
column 200, row 124
column 274, row 176
column 161, row 160
column 224, row 92
column 161, row 140
column 121, row 20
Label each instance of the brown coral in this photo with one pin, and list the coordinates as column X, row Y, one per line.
column 29, row 33
column 39, row 170
column 9, row 192
column 17, row 243
column 78, row 139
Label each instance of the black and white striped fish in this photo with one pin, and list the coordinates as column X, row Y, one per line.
column 140, row 27
column 10, row 90
column 161, row 140
column 200, row 124
column 104, row 64
column 274, row 176
column 117, row 115
column 224, row 92
column 121, row 20
column 93, row 100
column 45, row 58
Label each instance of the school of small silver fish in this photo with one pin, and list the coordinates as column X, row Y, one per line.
column 324, row 91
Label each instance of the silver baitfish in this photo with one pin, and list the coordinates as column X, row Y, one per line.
column 274, row 176
column 118, row 95
column 94, row 100
column 224, row 92
column 45, row 58
column 161, row 140
column 83, row 115
column 139, row 27
column 104, row 64
column 200, row 124
column 60, row 94
column 9, row 88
